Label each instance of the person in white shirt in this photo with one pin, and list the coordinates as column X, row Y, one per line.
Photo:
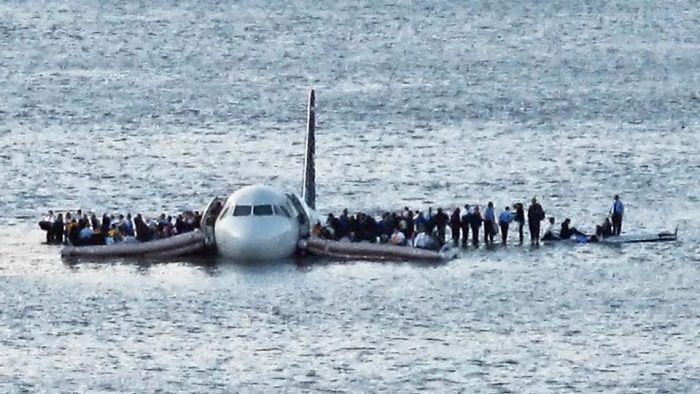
column 47, row 225
column 425, row 241
column 420, row 240
column 550, row 233
column 398, row 238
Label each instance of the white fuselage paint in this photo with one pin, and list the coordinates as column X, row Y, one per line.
column 247, row 230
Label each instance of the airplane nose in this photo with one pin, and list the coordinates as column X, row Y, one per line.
column 256, row 242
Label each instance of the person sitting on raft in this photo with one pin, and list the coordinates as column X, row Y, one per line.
column 343, row 224
column 329, row 230
column 604, row 230
column 424, row 241
column 72, row 230
column 398, row 238
column 386, row 227
column 567, row 232
column 113, row 235
column 406, row 224
column 317, row 229
column 128, row 229
column 143, row 232
column 549, row 232
column 88, row 236
column 367, row 229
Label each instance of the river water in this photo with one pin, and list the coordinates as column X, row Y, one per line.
column 156, row 107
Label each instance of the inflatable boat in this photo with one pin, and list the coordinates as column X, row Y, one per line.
column 663, row 236
column 370, row 251
column 178, row 245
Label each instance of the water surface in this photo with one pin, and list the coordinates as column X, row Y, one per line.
column 158, row 107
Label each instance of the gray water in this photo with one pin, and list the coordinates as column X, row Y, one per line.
column 160, row 106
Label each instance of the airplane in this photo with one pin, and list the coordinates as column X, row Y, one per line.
column 258, row 223
column 261, row 222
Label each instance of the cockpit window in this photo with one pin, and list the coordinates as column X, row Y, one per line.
column 262, row 210
column 225, row 212
column 242, row 210
column 282, row 211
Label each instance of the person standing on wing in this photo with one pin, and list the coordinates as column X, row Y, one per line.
column 489, row 223
column 520, row 219
column 504, row 220
column 618, row 209
column 466, row 223
column 475, row 222
column 455, row 225
column 535, row 214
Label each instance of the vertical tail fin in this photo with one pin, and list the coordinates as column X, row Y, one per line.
column 308, row 191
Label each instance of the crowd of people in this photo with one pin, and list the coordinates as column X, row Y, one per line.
column 422, row 229
column 79, row 228
column 429, row 229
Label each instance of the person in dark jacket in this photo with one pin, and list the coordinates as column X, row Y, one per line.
column 520, row 219
column 455, row 224
column 333, row 224
column 343, row 224
column 429, row 221
column 475, row 222
column 74, row 232
column 57, row 228
column 47, row 225
column 489, row 223
column 604, row 230
column 466, row 218
column 409, row 225
column 179, row 225
column 566, row 231
column 441, row 220
column 535, row 214
column 106, row 222
column 143, row 233
column 94, row 222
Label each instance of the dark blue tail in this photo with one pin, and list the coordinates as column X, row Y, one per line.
column 308, row 191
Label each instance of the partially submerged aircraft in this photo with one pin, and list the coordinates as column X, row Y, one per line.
column 261, row 222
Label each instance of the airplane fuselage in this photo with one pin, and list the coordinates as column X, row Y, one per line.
column 259, row 223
